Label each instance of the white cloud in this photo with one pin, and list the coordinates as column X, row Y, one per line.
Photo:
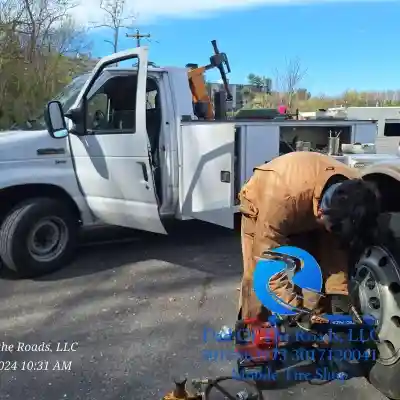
column 150, row 10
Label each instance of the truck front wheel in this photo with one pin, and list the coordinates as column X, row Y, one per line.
column 39, row 236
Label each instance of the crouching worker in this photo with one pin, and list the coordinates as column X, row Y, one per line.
column 311, row 201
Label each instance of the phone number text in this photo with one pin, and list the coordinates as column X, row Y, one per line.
column 295, row 355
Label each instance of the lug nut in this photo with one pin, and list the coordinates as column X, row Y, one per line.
column 370, row 284
column 362, row 272
column 242, row 395
column 374, row 303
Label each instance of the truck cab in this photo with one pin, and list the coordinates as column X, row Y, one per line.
column 128, row 157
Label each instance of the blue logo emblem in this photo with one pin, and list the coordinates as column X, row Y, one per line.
column 298, row 266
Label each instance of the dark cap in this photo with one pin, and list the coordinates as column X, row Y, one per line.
column 326, row 200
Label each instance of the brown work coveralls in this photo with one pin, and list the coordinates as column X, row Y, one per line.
column 279, row 206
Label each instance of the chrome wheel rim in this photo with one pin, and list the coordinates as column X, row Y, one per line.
column 376, row 285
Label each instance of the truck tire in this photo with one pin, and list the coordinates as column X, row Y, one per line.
column 38, row 236
column 376, row 281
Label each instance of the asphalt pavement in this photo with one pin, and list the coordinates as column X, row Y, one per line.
column 133, row 314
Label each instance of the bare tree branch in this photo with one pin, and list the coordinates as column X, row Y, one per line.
column 288, row 80
column 114, row 19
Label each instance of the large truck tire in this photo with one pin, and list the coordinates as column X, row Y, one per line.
column 38, row 236
column 376, row 279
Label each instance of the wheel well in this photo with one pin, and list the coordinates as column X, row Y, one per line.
column 389, row 189
column 11, row 196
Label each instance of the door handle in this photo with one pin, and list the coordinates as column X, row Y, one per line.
column 144, row 170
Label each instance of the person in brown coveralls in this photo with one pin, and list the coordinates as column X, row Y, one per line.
column 311, row 201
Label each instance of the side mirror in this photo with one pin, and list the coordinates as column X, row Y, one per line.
column 54, row 117
column 75, row 115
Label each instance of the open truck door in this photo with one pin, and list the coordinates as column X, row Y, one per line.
column 110, row 146
column 206, row 173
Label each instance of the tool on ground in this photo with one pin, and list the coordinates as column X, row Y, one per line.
column 202, row 103
column 259, row 343
column 207, row 388
column 180, row 392
column 259, row 346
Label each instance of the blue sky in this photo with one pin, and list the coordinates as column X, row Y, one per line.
column 341, row 44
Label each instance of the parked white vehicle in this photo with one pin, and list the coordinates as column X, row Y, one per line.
column 127, row 159
column 122, row 156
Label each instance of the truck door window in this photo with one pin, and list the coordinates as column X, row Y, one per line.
column 97, row 112
column 112, row 109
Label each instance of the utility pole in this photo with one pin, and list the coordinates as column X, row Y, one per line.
column 138, row 36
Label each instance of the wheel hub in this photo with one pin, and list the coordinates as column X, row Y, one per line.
column 376, row 285
column 47, row 239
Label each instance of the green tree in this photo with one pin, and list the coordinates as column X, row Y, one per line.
column 247, row 95
column 352, row 98
column 39, row 44
column 260, row 82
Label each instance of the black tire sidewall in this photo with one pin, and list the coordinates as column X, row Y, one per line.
column 37, row 209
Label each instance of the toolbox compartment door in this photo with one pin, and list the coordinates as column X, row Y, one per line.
column 206, row 172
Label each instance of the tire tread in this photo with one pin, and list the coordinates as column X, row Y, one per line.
column 7, row 231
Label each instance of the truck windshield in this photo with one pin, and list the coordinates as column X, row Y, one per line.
column 69, row 94
column 66, row 97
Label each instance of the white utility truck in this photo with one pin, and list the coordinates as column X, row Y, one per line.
column 123, row 147
column 132, row 154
